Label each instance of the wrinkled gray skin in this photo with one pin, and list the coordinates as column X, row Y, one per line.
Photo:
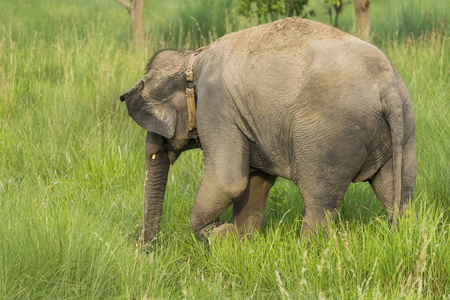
column 294, row 98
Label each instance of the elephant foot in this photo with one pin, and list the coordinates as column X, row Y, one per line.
column 219, row 230
column 223, row 230
column 407, row 212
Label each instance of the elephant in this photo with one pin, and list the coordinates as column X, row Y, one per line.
column 295, row 99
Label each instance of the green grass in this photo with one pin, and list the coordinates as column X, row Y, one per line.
column 391, row 19
column 71, row 177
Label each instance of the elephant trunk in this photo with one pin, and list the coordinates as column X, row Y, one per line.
column 156, row 172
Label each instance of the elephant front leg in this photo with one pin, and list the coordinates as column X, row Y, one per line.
column 248, row 210
column 225, row 179
column 213, row 198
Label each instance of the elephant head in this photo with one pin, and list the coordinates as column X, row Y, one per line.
column 157, row 102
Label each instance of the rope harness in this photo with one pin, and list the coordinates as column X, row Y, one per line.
column 190, row 95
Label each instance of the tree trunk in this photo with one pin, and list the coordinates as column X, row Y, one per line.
column 137, row 29
column 337, row 9
column 362, row 18
column 136, row 10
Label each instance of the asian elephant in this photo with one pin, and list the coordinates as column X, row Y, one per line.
column 295, row 98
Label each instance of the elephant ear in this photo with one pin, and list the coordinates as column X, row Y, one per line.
column 160, row 119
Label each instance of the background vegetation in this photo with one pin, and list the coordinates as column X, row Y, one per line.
column 71, row 168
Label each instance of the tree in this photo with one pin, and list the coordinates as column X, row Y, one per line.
column 272, row 10
column 136, row 10
column 337, row 6
column 362, row 18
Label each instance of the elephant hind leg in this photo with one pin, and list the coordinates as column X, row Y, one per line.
column 383, row 181
column 383, row 186
column 248, row 210
column 322, row 194
column 323, row 171
column 321, row 207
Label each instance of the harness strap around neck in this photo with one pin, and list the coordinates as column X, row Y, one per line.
column 190, row 92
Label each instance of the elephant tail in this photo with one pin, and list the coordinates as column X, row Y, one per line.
column 393, row 111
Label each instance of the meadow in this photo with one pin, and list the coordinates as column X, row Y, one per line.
column 72, row 168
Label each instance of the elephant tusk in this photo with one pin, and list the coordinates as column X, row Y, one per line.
column 154, row 156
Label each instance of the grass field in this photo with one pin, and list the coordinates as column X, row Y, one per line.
column 71, row 172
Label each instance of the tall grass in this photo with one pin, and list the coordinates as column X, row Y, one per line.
column 413, row 17
column 392, row 19
column 201, row 21
column 71, row 182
